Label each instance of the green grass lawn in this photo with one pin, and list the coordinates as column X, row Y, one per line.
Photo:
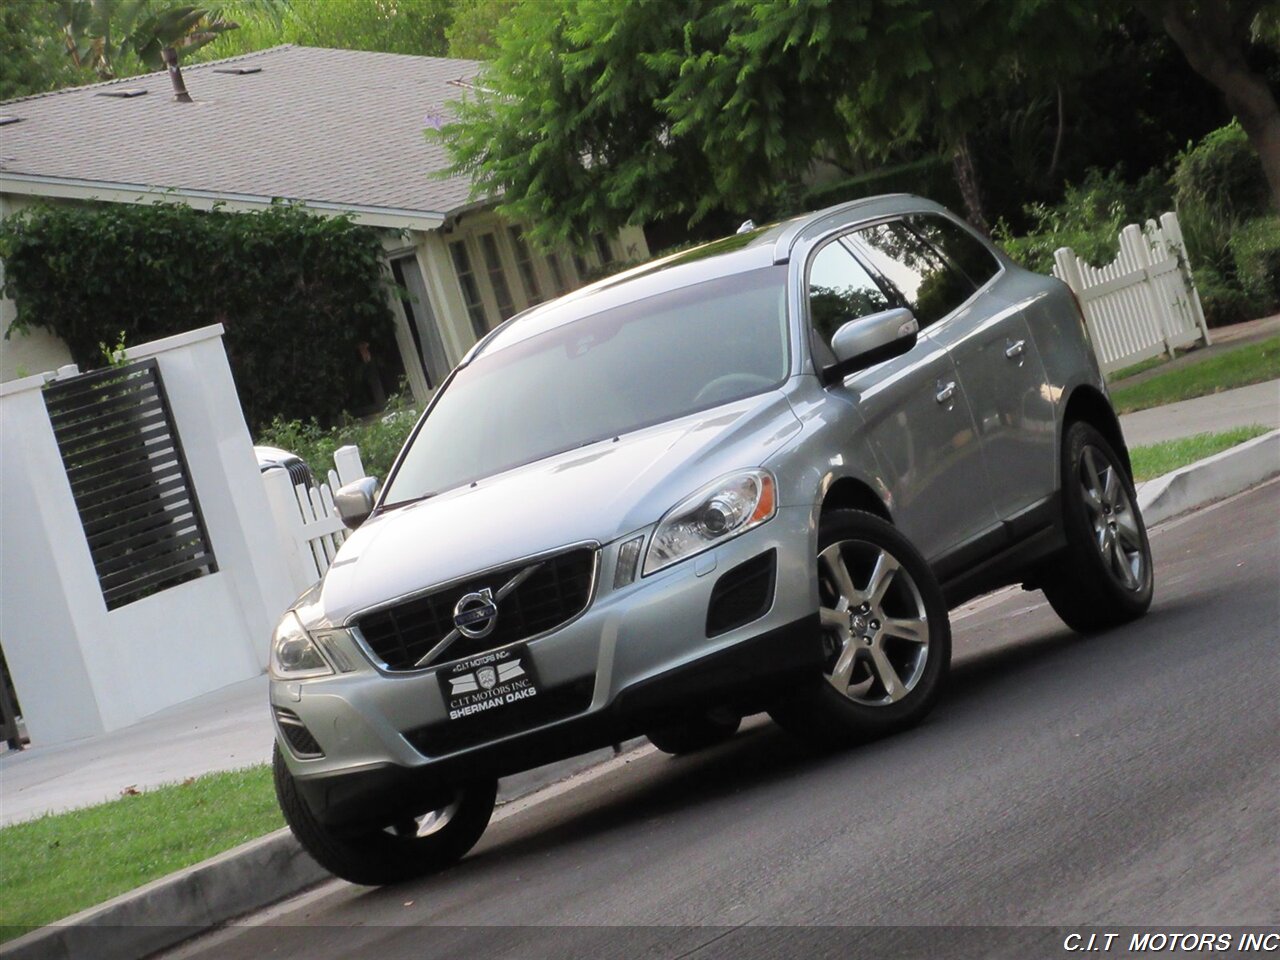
column 1235, row 368
column 1141, row 367
column 60, row 864
column 1157, row 459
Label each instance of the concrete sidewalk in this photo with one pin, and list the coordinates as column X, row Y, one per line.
column 231, row 728
column 1241, row 407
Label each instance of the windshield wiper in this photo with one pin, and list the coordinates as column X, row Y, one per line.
column 405, row 503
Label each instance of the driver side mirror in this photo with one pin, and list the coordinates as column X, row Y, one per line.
column 869, row 340
column 354, row 502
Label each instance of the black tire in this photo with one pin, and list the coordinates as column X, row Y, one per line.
column 376, row 857
column 1105, row 576
column 696, row 732
column 910, row 594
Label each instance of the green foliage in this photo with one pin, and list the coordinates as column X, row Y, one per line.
column 1255, row 252
column 297, row 293
column 103, row 34
column 1088, row 219
column 1222, row 176
column 379, row 438
column 595, row 115
column 473, row 33
column 60, row 864
column 32, row 56
column 1224, row 207
column 387, row 26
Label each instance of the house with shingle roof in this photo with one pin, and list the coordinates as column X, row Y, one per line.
column 338, row 130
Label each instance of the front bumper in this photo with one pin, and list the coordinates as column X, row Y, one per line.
column 636, row 658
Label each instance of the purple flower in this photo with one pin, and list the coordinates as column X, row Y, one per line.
column 433, row 120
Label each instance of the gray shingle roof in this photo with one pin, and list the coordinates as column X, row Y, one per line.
column 330, row 126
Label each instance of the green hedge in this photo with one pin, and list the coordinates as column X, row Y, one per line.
column 296, row 292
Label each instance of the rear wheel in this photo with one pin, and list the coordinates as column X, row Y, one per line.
column 885, row 632
column 696, row 732
column 1106, row 578
column 396, row 852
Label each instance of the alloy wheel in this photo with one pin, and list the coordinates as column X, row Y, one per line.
column 875, row 629
column 1115, row 527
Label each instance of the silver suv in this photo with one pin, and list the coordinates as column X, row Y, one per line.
column 750, row 477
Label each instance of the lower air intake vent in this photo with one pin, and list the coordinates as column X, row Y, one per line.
column 743, row 594
column 301, row 742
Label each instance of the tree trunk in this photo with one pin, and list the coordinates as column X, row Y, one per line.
column 1213, row 41
column 170, row 57
column 966, row 175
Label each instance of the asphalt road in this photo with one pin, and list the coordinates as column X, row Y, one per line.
column 1121, row 781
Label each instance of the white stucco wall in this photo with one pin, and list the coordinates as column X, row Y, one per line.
column 81, row 669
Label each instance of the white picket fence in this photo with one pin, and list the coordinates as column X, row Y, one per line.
column 1144, row 302
column 310, row 530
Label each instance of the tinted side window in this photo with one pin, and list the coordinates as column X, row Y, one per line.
column 840, row 290
column 929, row 286
column 958, row 245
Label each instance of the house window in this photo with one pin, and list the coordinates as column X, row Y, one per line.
column 557, row 273
column 421, row 320
column 524, row 260
column 497, row 279
column 470, row 288
column 602, row 249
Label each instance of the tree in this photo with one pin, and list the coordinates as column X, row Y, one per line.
column 1215, row 36
column 32, row 57
column 100, row 33
column 387, row 26
column 592, row 115
column 473, row 32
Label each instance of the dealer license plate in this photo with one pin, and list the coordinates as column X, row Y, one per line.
column 490, row 681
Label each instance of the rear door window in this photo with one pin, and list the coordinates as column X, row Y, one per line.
column 958, row 245
column 929, row 286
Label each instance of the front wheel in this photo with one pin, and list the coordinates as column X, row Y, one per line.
column 885, row 632
column 1106, row 576
column 400, row 851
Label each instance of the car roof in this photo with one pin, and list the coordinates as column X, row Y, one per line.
column 751, row 249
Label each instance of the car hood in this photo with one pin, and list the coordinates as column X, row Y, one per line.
column 598, row 492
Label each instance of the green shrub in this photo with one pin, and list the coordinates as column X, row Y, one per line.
column 1088, row 219
column 1222, row 177
column 1219, row 187
column 379, row 438
column 1255, row 252
column 296, row 293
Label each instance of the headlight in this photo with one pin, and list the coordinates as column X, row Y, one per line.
column 718, row 512
column 293, row 655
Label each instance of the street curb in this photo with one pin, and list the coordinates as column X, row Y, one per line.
column 239, row 881
column 175, row 908
column 172, row 909
column 1213, row 478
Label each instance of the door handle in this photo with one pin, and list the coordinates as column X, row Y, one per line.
column 1015, row 349
column 946, row 392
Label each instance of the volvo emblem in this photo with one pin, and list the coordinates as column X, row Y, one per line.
column 475, row 615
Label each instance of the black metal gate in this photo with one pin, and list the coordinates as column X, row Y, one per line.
column 130, row 481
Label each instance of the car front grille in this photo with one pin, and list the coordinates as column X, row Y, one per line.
column 554, row 591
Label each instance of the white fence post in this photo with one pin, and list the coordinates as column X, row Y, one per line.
column 1172, row 230
column 293, row 540
column 310, row 529
column 347, row 461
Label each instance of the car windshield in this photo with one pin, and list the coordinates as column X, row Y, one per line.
column 641, row 363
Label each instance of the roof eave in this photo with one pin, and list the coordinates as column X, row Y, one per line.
column 73, row 189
